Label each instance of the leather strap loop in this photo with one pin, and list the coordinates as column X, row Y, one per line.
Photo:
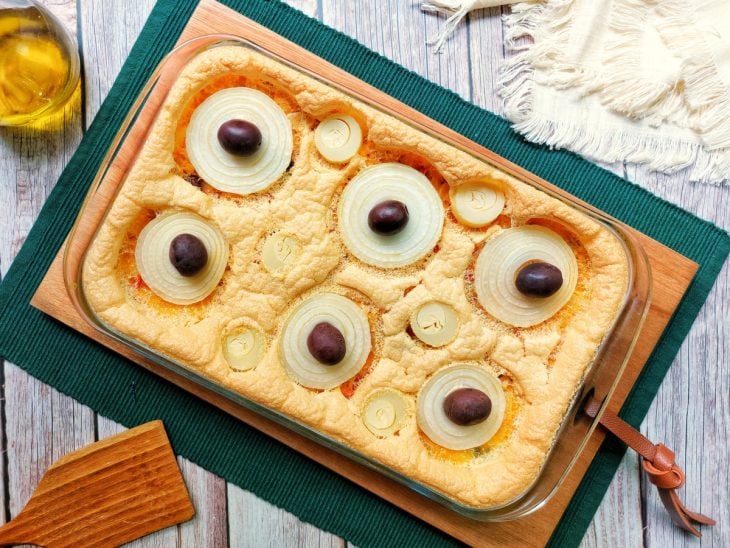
column 657, row 462
column 664, row 479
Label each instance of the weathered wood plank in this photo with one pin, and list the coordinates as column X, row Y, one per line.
column 691, row 413
column 399, row 30
column 310, row 7
column 108, row 30
column 254, row 522
column 209, row 527
column 618, row 521
column 40, row 424
column 486, row 46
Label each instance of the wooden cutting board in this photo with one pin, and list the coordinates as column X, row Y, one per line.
column 672, row 274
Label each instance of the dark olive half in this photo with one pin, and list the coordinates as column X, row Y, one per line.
column 188, row 254
column 539, row 279
column 388, row 217
column 239, row 137
column 326, row 344
column 467, row 406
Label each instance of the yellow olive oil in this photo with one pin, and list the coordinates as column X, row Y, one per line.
column 38, row 65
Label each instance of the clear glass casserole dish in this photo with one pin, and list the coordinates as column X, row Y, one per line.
column 599, row 378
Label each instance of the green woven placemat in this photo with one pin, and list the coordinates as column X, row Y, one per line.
column 119, row 389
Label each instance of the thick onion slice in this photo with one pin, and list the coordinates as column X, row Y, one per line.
column 435, row 323
column 280, row 251
column 500, row 260
column 153, row 258
column 338, row 138
column 384, row 412
column 390, row 181
column 343, row 314
column 433, row 420
column 228, row 172
column 244, row 348
column 476, row 204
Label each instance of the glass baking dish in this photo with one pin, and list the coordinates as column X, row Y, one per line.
column 599, row 380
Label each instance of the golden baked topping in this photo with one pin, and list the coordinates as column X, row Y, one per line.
column 476, row 204
column 280, row 251
column 468, row 430
column 384, row 183
column 239, row 137
column 384, row 412
column 169, row 259
column 435, row 323
column 416, row 301
column 338, row 138
column 235, row 172
column 347, row 318
column 539, row 279
column 498, row 266
column 244, row 348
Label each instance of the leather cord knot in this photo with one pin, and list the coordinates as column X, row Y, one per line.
column 658, row 463
column 664, row 479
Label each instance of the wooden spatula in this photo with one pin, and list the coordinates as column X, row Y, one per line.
column 108, row 493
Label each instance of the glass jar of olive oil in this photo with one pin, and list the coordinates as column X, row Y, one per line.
column 39, row 63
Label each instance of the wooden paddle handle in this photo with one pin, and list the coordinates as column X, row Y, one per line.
column 17, row 532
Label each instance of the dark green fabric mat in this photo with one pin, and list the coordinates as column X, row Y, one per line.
column 124, row 392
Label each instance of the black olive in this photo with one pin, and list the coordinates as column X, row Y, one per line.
column 539, row 280
column 239, row 137
column 467, row 406
column 188, row 254
column 388, row 217
column 326, row 344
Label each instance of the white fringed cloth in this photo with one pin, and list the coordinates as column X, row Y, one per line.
column 643, row 81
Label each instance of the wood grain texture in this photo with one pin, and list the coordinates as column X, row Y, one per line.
column 691, row 412
column 702, row 366
column 163, row 538
column 105, row 494
column 39, row 424
column 253, row 522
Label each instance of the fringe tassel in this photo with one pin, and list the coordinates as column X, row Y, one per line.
column 456, row 10
column 624, row 88
column 538, row 35
column 706, row 94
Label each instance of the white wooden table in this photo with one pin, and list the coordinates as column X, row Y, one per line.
column 39, row 424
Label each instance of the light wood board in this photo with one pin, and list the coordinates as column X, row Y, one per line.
column 668, row 267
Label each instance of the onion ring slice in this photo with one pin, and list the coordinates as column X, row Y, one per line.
column 228, row 172
column 379, row 183
column 153, row 258
column 343, row 314
column 384, row 412
column 499, row 262
column 433, row 420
